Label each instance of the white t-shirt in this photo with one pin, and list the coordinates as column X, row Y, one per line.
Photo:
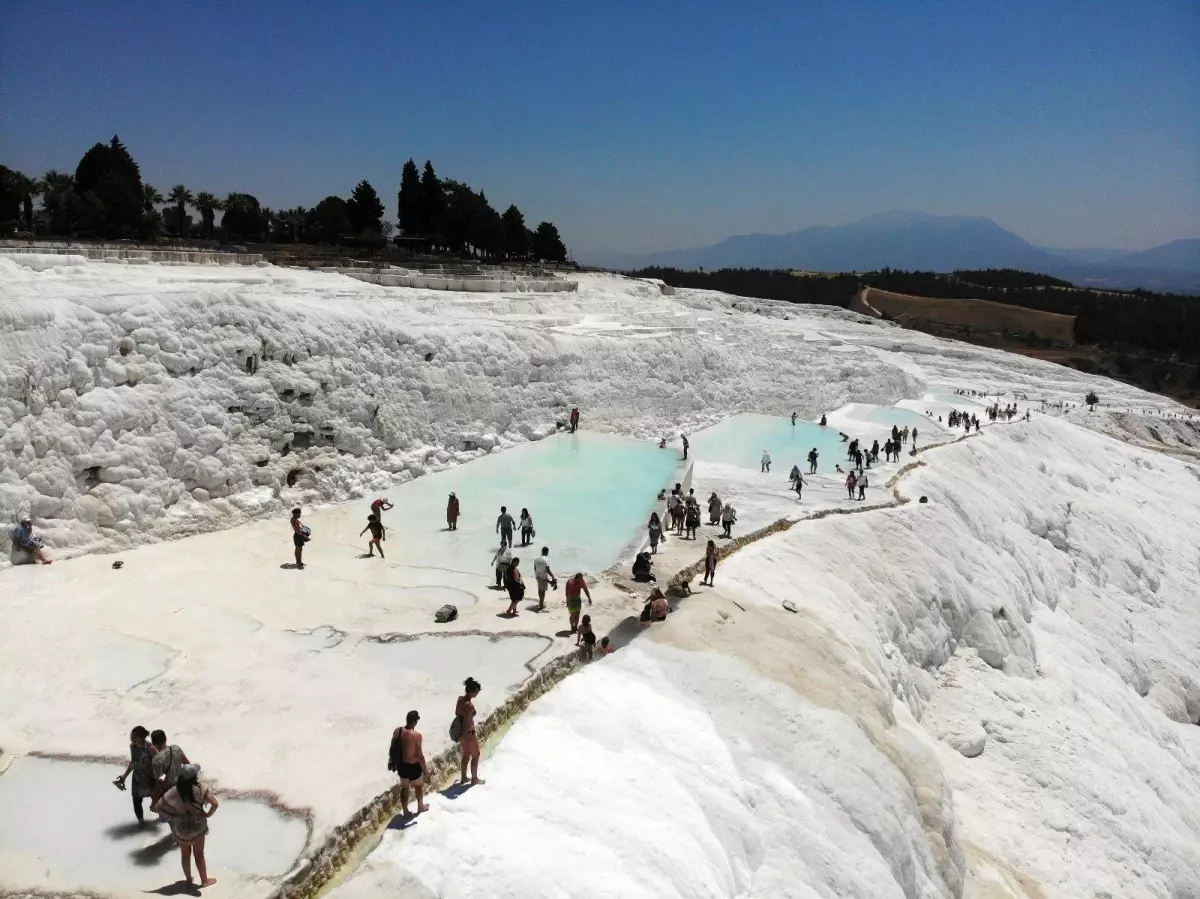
column 541, row 568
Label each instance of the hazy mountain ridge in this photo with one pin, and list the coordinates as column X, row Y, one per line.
column 925, row 242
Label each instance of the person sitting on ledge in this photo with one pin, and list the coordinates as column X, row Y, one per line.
column 24, row 541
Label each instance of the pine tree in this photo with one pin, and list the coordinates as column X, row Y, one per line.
column 547, row 245
column 408, row 200
column 364, row 209
column 110, row 182
column 516, row 235
column 433, row 201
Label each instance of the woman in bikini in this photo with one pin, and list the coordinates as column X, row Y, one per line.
column 469, row 741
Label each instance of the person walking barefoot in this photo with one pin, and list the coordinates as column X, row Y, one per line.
column 710, row 563
column 576, row 589
column 515, row 587
column 375, row 526
column 406, row 757
column 183, row 805
column 469, row 741
column 452, row 512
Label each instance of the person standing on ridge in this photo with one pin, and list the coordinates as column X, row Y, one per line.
column 452, row 512
column 766, row 462
column 655, row 532
column 300, row 535
column 504, row 526
column 406, row 756
column 683, row 437
column 862, row 486
column 574, row 419
column 812, row 460
column 375, row 526
column 544, row 577
column 576, row 585
column 710, row 563
column 464, row 711
column 851, row 483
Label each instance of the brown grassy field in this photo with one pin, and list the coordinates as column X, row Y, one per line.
column 976, row 315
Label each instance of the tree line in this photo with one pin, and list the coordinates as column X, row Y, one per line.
column 106, row 198
column 1161, row 324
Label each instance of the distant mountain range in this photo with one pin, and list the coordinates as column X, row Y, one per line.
column 925, row 242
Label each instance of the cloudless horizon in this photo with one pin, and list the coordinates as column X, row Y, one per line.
column 639, row 127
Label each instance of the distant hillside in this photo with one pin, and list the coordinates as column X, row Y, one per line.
column 1178, row 255
column 975, row 315
column 923, row 242
column 893, row 240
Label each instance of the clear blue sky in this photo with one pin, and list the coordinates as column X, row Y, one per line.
column 638, row 126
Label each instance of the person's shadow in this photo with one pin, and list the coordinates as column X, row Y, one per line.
column 151, row 855
column 178, row 888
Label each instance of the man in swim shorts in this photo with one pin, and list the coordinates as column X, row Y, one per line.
column 407, row 757
column 575, row 589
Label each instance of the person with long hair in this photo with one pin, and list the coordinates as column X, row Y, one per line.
column 184, row 805
column 710, row 563
column 464, row 709
column 141, row 765
column 514, row 585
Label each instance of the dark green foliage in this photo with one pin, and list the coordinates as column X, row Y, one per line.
column 547, row 245
column 11, row 195
column 106, row 198
column 364, row 209
column 1009, row 278
column 1091, row 399
column 330, row 219
column 408, row 200
column 769, row 284
column 112, row 179
column 516, row 236
column 433, row 200
column 1161, row 324
column 244, row 219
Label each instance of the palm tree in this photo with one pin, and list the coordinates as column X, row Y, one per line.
column 182, row 198
column 209, row 205
column 27, row 188
column 297, row 220
column 151, row 197
column 60, row 205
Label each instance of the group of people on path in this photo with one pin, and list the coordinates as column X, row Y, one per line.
column 162, row 773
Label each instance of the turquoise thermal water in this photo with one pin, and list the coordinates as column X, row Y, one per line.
column 589, row 495
column 741, row 440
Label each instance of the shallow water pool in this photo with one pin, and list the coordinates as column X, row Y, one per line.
column 499, row 662
column 891, row 415
column 589, row 495
column 98, row 846
column 741, row 440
